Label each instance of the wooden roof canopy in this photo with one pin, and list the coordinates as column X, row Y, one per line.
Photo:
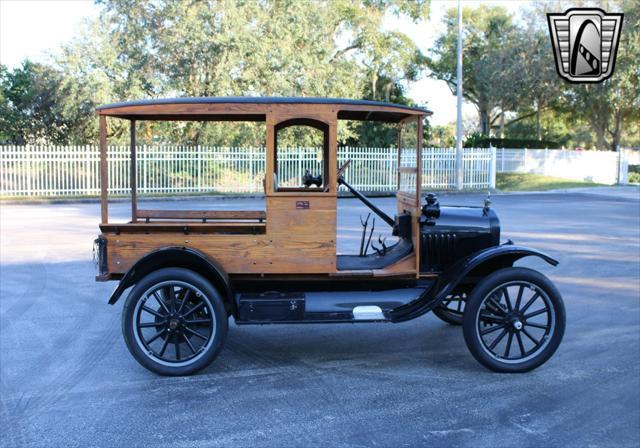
column 255, row 109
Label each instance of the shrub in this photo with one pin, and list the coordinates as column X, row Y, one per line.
column 482, row 141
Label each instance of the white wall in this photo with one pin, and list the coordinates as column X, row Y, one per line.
column 595, row 166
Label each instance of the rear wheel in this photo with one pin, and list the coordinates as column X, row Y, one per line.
column 514, row 320
column 174, row 322
column 451, row 310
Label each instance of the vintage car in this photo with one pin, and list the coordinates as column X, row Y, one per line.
column 190, row 270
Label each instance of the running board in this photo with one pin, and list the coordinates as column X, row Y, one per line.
column 323, row 307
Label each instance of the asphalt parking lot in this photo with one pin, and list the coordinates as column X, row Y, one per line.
column 67, row 379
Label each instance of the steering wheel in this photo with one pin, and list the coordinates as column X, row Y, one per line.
column 343, row 168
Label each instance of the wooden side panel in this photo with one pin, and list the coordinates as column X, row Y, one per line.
column 300, row 238
column 236, row 253
column 303, row 231
column 407, row 203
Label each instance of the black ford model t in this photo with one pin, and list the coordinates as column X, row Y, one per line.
column 190, row 270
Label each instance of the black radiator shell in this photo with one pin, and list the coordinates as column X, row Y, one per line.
column 457, row 233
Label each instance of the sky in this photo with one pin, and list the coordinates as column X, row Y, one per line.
column 35, row 29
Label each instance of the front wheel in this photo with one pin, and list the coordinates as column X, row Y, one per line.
column 174, row 322
column 514, row 320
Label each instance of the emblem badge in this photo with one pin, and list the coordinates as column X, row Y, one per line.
column 585, row 42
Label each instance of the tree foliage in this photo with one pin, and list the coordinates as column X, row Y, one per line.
column 338, row 48
column 615, row 103
column 30, row 105
column 487, row 41
column 509, row 75
column 140, row 49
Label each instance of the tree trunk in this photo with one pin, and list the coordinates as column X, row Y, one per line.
column 374, row 82
column 601, row 142
column 616, row 134
column 538, row 130
column 501, row 121
column 387, row 91
column 484, row 121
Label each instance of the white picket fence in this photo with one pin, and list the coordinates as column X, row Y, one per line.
column 52, row 171
column 606, row 167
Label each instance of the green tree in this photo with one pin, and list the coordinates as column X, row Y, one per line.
column 488, row 31
column 141, row 49
column 613, row 105
column 534, row 84
column 442, row 136
column 30, row 110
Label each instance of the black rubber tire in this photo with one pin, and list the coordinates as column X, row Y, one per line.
column 475, row 301
column 446, row 316
column 187, row 276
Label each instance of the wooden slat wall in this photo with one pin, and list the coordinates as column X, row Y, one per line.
column 297, row 241
column 302, row 238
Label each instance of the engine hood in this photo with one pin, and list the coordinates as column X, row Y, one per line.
column 456, row 233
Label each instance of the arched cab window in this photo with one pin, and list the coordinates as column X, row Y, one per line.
column 301, row 156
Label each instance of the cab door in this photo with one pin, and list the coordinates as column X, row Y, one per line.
column 301, row 190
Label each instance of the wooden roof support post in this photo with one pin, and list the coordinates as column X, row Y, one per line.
column 332, row 162
column 399, row 125
column 418, row 189
column 132, row 174
column 270, row 156
column 104, row 173
column 419, row 163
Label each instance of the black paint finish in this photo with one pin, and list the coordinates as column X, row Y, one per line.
column 457, row 233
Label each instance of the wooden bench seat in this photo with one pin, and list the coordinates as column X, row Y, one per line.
column 202, row 215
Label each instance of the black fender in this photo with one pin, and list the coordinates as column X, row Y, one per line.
column 485, row 262
column 177, row 257
column 481, row 263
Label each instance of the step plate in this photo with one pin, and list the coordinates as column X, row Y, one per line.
column 368, row 312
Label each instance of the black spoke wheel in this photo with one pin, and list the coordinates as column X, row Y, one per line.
column 451, row 310
column 514, row 320
column 174, row 322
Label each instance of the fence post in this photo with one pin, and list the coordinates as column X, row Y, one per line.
column 622, row 167
column 251, row 183
column 502, row 160
column 544, row 166
column 142, row 158
column 524, row 163
column 390, row 160
column 492, row 168
column 27, row 181
column 199, row 152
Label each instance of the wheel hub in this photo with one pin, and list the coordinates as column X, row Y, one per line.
column 174, row 324
column 515, row 322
